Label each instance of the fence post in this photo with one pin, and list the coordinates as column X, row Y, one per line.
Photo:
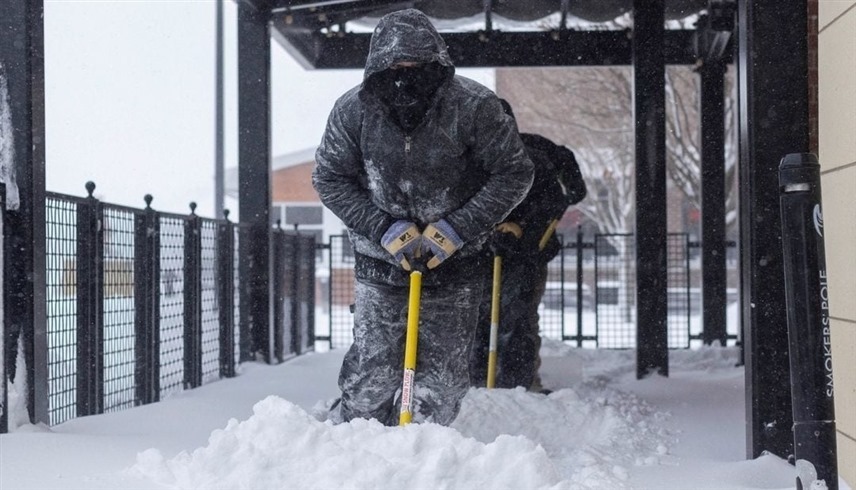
column 153, row 300
column 295, row 291
column 307, row 277
column 192, row 300
column 278, row 296
column 596, row 290
column 807, row 300
column 331, row 256
column 579, row 286
column 90, row 305
column 226, row 294
column 4, row 398
column 561, row 287
column 147, row 304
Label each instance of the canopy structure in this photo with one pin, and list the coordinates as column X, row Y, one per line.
column 767, row 42
column 335, row 34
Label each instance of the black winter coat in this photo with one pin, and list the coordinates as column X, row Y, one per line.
column 464, row 163
column 558, row 184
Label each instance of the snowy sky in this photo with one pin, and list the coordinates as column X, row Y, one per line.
column 600, row 430
column 130, row 99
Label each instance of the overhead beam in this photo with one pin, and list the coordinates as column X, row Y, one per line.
column 498, row 49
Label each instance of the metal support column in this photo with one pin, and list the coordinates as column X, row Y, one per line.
column 714, row 280
column 649, row 100
column 22, row 58
column 773, row 108
column 254, row 175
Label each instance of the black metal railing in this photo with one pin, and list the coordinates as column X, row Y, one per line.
column 142, row 303
column 589, row 299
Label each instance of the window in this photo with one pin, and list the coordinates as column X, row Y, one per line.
column 304, row 215
column 305, row 218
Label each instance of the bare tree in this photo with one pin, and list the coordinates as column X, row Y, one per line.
column 683, row 137
column 590, row 110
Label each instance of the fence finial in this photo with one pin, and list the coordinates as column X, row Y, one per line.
column 192, row 207
column 279, row 224
column 90, row 187
column 148, row 198
column 226, row 214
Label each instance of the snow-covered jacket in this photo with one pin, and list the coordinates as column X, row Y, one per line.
column 465, row 161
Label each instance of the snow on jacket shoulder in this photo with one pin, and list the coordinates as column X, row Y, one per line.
column 465, row 162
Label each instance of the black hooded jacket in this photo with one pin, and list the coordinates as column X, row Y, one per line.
column 464, row 162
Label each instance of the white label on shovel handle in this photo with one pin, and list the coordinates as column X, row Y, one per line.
column 407, row 390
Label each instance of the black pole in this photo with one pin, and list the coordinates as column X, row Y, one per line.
column 773, row 121
column 192, row 300
column 579, row 286
column 254, row 186
column 561, row 289
column 218, row 116
column 809, row 338
column 713, row 268
column 649, row 100
column 22, row 58
column 226, row 293
column 4, row 395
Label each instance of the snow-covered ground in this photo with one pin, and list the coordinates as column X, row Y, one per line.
column 599, row 429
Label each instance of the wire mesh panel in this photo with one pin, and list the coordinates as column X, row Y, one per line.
column 61, row 262
column 210, row 310
column 171, row 304
column 341, row 319
column 236, row 318
column 553, row 308
column 285, row 294
column 119, row 313
column 615, row 291
column 679, row 306
column 306, row 293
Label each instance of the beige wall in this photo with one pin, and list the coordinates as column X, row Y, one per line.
column 837, row 152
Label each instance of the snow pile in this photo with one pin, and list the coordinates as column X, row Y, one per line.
column 593, row 434
column 586, row 437
column 281, row 446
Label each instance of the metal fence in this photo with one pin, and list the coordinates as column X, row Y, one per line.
column 142, row 304
column 590, row 295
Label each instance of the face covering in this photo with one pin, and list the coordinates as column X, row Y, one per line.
column 408, row 91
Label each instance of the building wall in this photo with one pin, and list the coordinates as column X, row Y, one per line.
column 837, row 153
column 294, row 184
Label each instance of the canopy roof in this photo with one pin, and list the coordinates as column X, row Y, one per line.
column 336, row 33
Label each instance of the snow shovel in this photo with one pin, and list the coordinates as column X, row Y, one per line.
column 494, row 321
column 410, row 347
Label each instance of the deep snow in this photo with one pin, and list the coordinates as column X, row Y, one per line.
column 600, row 429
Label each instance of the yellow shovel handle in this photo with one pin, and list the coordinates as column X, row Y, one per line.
column 494, row 321
column 413, row 304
